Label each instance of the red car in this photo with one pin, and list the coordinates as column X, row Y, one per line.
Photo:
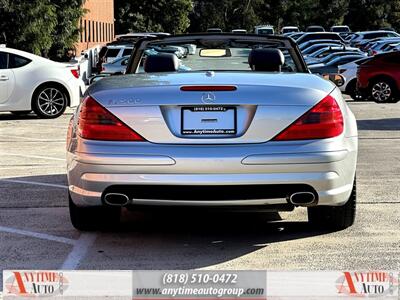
column 379, row 78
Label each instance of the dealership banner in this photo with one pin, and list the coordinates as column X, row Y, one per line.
column 192, row 284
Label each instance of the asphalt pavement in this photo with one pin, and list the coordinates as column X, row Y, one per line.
column 36, row 233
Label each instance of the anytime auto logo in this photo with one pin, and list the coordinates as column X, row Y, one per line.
column 367, row 284
column 35, row 284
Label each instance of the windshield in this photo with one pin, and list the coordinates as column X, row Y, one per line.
column 216, row 55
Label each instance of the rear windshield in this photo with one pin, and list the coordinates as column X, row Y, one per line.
column 112, row 52
column 265, row 31
column 203, row 55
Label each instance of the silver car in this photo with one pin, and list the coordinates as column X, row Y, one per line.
column 117, row 66
column 245, row 126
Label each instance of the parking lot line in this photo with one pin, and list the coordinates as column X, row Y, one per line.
column 79, row 251
column 32, row 156
column 35, row 183
column 31, row 138
column 42, row 236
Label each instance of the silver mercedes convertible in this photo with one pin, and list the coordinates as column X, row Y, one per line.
column 239, row 122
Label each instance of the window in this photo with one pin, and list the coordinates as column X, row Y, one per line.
column 89, row 32
column 85, row 32
column 127, row 52
column 16, row 61
column 97, row 31
column 93, row 33
column 3, row 60
column 81, row 29
column 113, row 52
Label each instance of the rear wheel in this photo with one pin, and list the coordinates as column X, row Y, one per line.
column 334, row 217
column 383, row 91
column 352, row 91
column 49, row 101
column 93, row 218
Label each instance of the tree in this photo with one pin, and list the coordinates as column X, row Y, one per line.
column 67, row 28
column 28, row 24
column 368, row 14
column 152, row 15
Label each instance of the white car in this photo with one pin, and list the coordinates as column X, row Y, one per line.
column 349, row 72
column 115, row 52
column 30, row 82
column 264, row 29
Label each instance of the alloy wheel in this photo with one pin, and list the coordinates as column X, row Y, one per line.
column 51, row 101
column 381, row 91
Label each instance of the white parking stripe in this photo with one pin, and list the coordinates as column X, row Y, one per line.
column 31, row 138
column 32, row 156
column 79, row 251
column 42, row 236
column 35, row 183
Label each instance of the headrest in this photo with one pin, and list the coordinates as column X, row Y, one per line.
column 161, row 62
column 267, row 60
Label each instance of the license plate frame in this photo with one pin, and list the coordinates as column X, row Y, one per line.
column 213, row 115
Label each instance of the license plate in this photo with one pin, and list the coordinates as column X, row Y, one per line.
column 209, row 120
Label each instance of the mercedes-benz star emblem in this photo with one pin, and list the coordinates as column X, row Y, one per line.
column 208, row 98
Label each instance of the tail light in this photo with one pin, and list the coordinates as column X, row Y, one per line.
column 324, row 120
column 97, row 123
column 75, row 72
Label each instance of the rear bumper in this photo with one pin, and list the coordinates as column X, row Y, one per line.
column 329, row 173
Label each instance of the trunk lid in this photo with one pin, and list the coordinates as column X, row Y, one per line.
column 261, row 106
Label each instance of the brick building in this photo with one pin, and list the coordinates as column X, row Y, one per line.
column 97, row 25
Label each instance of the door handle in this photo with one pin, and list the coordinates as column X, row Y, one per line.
column 3, row 78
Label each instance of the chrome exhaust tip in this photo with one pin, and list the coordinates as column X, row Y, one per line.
column 116, row 199
column 303, row 199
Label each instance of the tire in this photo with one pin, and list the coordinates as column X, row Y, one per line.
column 334, row 217
column 383, row 91
column 21, row 112
column 49, row 101
column 93, row 218
column 351, row 90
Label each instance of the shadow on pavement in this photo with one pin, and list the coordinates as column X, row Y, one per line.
column 166, row 238
column 389, row 124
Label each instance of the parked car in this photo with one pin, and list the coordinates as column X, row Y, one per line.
column 289, row 29
column 316, row 47
column 331, row 67
column 313, row 36
column 391, row 47
column 242, row 31
column 381, row 46
column 132, row 38
column 330, row 57
column 361, row 36
column 30, row 82
column 113, row 52
column 324, row 52
column 296, row 35
column 264, row 29
column 195, row 139
column 340, row 28
column 305, row 45
column 379, row 77
column 349, row 72
column 214, row 30
column 117, row 66
column 315, row 28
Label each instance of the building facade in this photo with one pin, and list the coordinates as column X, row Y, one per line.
column 97, row 25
